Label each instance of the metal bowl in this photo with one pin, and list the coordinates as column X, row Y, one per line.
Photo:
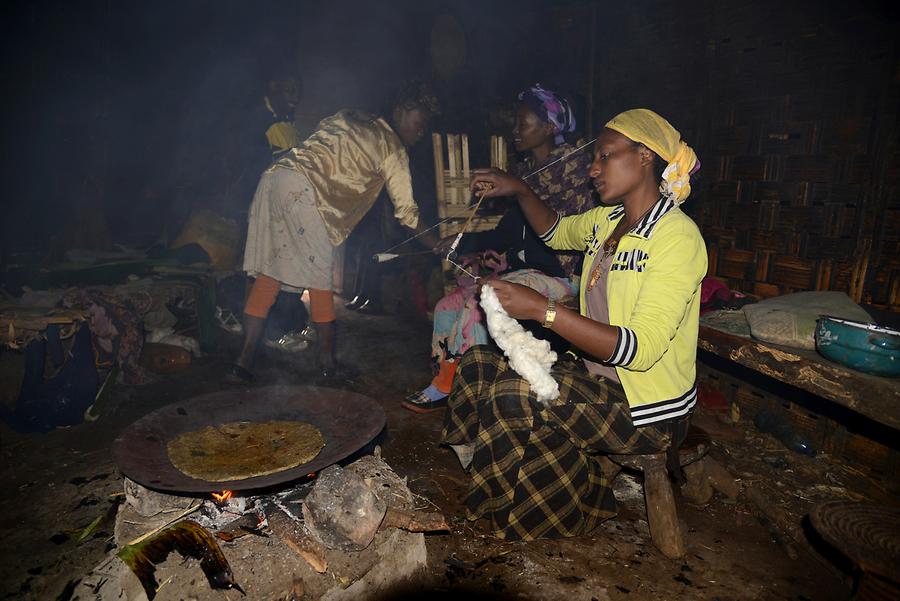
column 865, row 347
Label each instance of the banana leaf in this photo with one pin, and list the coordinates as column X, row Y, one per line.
column 189, row 539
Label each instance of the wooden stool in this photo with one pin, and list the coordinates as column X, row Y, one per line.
column 662, row 515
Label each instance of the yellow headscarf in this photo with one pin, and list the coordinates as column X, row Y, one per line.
column 657, row 134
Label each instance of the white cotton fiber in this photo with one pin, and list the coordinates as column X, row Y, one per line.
column 529, row 357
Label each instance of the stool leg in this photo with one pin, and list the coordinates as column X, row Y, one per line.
column 609, row 468
column 661, row 512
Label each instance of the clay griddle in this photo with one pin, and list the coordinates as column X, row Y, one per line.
column 347, row 420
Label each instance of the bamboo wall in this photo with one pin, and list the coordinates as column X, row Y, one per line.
column 793, row 110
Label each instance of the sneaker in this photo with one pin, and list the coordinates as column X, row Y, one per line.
column 291, row 342
column 354, row 304
column 239, row 375
column 228, row 321
column 308, row 333
column 370, row 307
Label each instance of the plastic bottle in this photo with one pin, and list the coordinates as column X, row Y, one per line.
column 774, row 423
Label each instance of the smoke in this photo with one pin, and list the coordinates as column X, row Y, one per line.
column 136, row 113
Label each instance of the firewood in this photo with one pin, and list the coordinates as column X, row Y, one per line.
column 782, row 527
column 697, row 489
column 720, row 478
column 297, row 538
column 298, row 591
column 414, row 521
column 244, row 525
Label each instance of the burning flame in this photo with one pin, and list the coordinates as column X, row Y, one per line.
column 223, row 496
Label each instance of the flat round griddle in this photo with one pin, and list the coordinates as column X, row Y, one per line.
column 348, row 421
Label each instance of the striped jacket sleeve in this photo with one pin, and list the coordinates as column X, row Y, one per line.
column 572, row 232
column 672, row 276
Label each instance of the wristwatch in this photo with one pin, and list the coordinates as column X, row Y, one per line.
column 550, row 315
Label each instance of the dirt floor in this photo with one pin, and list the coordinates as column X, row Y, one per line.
column 56, row 484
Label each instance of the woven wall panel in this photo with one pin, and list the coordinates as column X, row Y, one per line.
column 748, row 167
column 742, row 217
column 777, row 242
column 791, row 273
column 725, row 192
column 891, row 223
column 809, row 168
column 734, row 139
column 843, row 136
column 825, row 247
column 738, row 264
column 788, row 138
column 777, row 193
column 809, row 106
column 859, row 169
column 794, row 113
column 849, row 195
column 892, row 171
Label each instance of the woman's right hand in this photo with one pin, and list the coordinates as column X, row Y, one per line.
column 492, row 183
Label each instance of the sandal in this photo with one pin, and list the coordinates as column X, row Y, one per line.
column 240, row 375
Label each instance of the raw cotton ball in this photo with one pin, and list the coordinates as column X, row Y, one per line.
column 529, row 357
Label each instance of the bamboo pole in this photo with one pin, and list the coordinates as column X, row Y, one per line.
column 465, row 157
column 858, row 279
column 493, row 151
column 451, row 156
column 438, row 167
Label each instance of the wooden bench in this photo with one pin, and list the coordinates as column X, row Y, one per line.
column 727, row 335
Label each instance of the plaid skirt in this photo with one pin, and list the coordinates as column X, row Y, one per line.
column 535, row 471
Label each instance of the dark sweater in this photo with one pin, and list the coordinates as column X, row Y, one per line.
column 512, row 235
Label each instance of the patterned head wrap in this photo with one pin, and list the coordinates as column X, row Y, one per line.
column 657, row 134
column 550, row 108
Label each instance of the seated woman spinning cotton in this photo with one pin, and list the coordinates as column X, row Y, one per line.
column 534, row 464
column 542, row 117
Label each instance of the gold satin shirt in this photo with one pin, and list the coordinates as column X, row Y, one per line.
column 348, row 160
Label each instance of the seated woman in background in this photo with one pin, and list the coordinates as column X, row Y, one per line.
column 535, row 468
column 542, row 117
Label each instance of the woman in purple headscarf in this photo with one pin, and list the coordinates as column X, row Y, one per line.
column 542, row 119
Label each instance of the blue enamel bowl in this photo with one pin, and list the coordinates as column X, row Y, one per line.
column 866, row 347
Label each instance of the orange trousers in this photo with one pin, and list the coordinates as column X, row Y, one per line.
column 265, row 291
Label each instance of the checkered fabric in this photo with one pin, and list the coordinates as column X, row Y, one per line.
column 535, row 471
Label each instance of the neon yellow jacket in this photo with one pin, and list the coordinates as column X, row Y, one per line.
column 653, row 293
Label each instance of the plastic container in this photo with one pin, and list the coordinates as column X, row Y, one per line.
column 865, row 347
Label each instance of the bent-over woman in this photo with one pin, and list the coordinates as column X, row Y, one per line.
column 310, row 199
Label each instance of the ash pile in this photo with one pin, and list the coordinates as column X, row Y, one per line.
column 352, row 532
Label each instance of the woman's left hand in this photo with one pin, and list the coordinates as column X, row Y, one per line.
column 520, row 302
column 444, row 245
